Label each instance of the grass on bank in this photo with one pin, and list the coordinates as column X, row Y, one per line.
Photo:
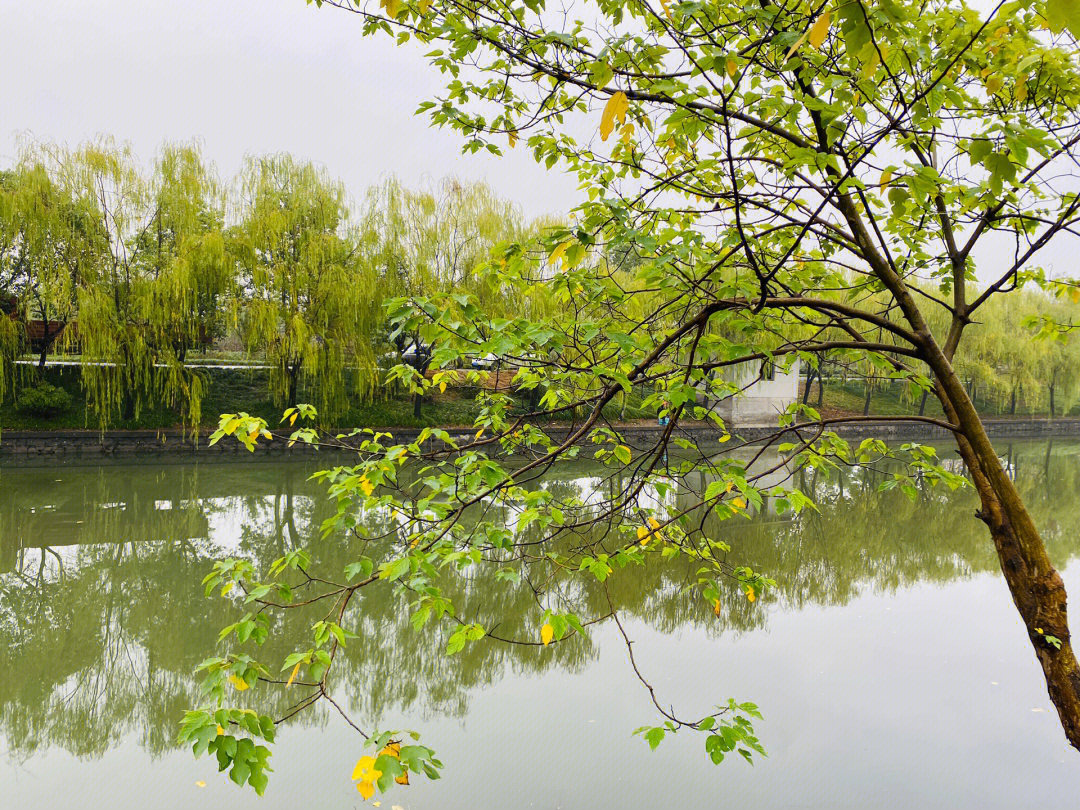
column 234, row 390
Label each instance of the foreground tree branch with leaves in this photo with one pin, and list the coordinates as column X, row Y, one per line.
column 766, row 183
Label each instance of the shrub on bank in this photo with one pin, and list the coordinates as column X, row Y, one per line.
column 43, row 400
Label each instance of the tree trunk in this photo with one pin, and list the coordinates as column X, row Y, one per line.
column 866, row 402
column 922, row 402
column 416, row 406
column 294, row 383
column 1036, row 587
column 1051, row 401
column 809, row 382
column 820, row 389
column 1012, row 403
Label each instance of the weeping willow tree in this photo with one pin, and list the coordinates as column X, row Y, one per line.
column 48, row 241
column 420, row 242
column 309, row 305
column 154, row 282
column 12, row 260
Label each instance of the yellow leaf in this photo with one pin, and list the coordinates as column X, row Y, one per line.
column 292, row 420
column 392, row 7
column 739, row 503
column 716, row 606
column 547, row 633
column 654, row 523
column 253, row 435
column 220, row 731
column 403, row 779
column 750, row 595
column 365, row 770
column 292, row 675
column 558, row 252
column 993, row 84
column 512, row 137
column 392, row 750
column 667, row 7
column 886, row 177
column 615, row 108
column 442, row 387
column 238, row 683
column 1074, row 294
column 1021, row 88
column 367, row 790
column 479, row 433
column 819, row 29
column 642, row 532
column 423, row 6
column 200, row 783
column 732, row 67
column 366, row 485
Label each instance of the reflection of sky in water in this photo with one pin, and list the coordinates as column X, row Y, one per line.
column 889, row 663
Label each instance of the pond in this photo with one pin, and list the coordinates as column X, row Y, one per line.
column 888, row 661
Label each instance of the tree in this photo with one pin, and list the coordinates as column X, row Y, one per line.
column 308, row 302
column 48, row 241
column 421, row 242
column 149, row 278
column 840, row 167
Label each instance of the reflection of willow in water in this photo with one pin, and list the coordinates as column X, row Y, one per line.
column 103, row 619
column 866, row 539
column 103, row 638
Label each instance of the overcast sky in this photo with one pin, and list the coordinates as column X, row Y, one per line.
column 242, row 76
column 259, row 76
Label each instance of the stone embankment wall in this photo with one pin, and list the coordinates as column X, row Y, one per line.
column 88, row 447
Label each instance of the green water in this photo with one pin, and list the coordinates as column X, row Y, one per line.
column 888, row 661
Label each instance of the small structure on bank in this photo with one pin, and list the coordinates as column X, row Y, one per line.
column 767, row 391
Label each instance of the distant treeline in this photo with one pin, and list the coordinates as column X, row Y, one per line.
column 136, row 270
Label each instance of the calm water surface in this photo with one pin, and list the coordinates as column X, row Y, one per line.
column 889, row 662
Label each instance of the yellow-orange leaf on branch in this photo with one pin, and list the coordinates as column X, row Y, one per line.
column 367, row 774
column 393, row 7
column 292, row 675
column 547, row 633
column 239, row 684
column 819, row 29
column 614, row 110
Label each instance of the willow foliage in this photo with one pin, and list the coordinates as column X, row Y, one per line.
column 309, row 305
column 158, row 273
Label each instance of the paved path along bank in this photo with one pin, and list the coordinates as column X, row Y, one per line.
column 91, row 447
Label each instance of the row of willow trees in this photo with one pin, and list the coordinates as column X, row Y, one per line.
column 1021, row 356
column 135, row 271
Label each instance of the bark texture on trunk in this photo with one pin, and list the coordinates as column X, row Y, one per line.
column 1035, row 585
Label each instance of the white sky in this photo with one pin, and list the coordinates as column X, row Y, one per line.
column 242, row 76
column 259, row 76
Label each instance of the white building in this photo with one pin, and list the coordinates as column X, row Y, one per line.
column 766, row 393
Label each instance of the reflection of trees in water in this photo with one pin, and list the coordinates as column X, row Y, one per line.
column 103, row 636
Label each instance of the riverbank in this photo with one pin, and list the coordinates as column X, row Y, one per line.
column 91, row 446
